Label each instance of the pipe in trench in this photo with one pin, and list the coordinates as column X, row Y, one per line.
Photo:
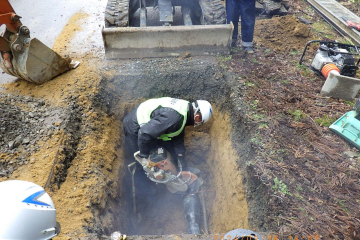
column 192, row 213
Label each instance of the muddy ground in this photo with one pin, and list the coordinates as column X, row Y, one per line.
column 269, row 161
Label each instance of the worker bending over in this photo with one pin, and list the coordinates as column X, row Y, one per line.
column 161, row 122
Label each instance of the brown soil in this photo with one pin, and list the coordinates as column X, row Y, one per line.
column 282, row 34
column 268, row 162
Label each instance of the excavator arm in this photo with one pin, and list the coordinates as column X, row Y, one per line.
column 24, row 57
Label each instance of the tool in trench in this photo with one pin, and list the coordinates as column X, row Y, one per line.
column 161, row 169
column 135, row 219
column 24, row 57
column 127, row 34
column 351, row 24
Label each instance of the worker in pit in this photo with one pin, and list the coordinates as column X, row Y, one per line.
column 245, row 8
column 161, row 122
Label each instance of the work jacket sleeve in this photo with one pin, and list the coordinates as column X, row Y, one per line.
column 163, row 120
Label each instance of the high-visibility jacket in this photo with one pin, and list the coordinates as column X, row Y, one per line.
column 166, row 116
column 143, row 113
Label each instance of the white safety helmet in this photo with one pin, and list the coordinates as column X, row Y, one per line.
column 204, row 107
column 27, row 212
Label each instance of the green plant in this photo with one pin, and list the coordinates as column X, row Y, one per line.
column 249, row 84
column 325, row 120
column 305, row 71
column 284, row 81
column 267, row 50
column 258, row 117
column 293, row 52
column 343, row 205
column 254, row 60
column 249, row 163
column 298, row 196
column 223, row 66
column 224, row 58
column 234, row 49
column 263, row 125
column 257, row 140
column 296, row 114
column 350, row 103
column 301, row 67
column 281, row 187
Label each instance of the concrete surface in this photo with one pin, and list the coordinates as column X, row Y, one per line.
column 342, row 87
column 46, row 20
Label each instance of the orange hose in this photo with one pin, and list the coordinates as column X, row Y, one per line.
column 327, row 68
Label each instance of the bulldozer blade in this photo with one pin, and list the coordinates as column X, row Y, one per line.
column 167, row 41
column 35, row 62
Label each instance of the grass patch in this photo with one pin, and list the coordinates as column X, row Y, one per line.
column 223, row 58
column 325, row 120
column 280, row 187
column 297, row 114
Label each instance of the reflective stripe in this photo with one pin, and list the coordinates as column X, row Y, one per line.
column 145, row 109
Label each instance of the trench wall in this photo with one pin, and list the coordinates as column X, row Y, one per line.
column 220, row 149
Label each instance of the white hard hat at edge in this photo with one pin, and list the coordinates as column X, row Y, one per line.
column 27, row 212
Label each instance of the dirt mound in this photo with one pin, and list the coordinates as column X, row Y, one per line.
column 282, row 34
column 24, row 122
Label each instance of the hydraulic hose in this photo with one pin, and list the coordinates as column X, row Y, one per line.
column 192, row 213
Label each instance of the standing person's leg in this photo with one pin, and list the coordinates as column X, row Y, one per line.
column 247, row 12
column 232, row 15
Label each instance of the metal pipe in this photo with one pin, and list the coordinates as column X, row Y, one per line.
column 206, row 228
column 192, row 213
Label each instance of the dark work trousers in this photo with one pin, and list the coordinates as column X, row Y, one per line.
column 245, row 8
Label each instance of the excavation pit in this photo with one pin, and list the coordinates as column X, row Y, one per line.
column 210, row 148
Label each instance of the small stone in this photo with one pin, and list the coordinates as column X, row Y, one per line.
column 350, row 154
column 11, row 144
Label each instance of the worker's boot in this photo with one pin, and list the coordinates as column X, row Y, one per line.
column 249, row 49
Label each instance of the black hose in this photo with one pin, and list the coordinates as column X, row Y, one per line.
column 192, row 213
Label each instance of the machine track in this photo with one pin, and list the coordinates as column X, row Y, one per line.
column 213, row 12
column 117, row 13
column 333, row 12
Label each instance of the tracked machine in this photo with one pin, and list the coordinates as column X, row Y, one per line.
column 156, row 28
column 24, row 57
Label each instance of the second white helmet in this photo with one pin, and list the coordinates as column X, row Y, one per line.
column 27, row 212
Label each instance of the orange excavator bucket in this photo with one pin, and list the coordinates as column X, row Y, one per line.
column 24, row 57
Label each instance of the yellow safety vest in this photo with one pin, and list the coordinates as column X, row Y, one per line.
column 145, row 109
